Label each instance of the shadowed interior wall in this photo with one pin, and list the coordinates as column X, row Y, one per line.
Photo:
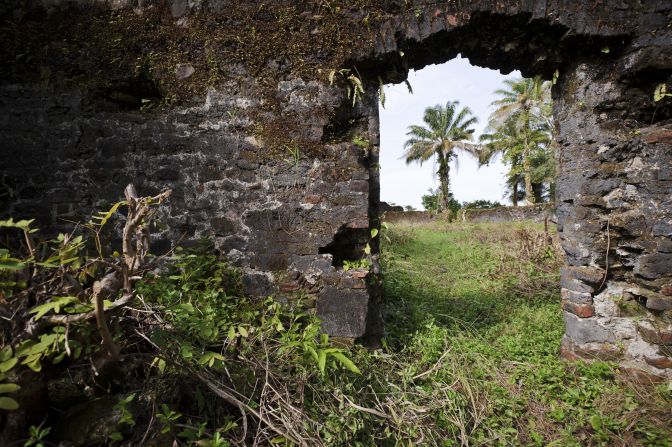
column 232, row 106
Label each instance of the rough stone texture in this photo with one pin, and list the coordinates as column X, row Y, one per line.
column 410, row 217
column 289, row 214
column 535, row 213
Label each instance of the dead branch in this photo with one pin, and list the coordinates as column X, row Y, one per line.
column 105, row 288
column 36, row 327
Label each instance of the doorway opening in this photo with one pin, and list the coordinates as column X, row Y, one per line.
column 464, row 242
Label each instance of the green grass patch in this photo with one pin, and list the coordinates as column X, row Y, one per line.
column 477, row 305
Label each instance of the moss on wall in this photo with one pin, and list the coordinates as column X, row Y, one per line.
column 138, row 51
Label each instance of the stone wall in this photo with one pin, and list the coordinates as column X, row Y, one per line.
column 231, row 105
column 535, row 213
column 409, row 217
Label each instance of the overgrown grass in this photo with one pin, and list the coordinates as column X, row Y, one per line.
column 470, row 357
column 479, row 306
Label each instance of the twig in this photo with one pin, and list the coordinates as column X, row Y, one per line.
column 34, row 327
column 436, row 365
column 227, row 394
column 367, row 410
column 107, row 287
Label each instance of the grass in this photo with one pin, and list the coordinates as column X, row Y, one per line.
column 470, row 358
column 476, row 307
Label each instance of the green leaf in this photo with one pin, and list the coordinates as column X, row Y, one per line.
column 8, row 388
column 8, row 364
column 346, row 362
column 232, row 333
column 128, row 399
column 367, row 249
column 322, row 360
column 6, row 353
column 185, row 352
column 242, row 331
column 11, row 264
column 374, row 232
column 55, row 305
column 188, row 307
column 104, row 216
column 7, row 403
column 33, row 362
column 313, row 353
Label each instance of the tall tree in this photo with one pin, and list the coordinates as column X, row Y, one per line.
column 447, row 130
column 524, row 151
column 524, row 103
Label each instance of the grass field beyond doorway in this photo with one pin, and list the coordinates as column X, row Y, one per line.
column 474, row 310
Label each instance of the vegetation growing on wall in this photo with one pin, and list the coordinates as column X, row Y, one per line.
column 100, row 49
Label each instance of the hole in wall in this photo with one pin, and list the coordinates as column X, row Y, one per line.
column 348, row 245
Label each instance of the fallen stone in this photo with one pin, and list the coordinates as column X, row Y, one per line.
column 659, row 303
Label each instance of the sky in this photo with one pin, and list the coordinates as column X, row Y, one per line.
column 455, row 80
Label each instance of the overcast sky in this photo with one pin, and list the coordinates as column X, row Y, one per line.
column 455, row 80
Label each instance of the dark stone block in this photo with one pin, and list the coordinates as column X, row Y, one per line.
column 257, row 284
column 222, row 226
column 160, row 246
column 659, row 302
column 662, row 228
column 343, row 312
column 654, row 265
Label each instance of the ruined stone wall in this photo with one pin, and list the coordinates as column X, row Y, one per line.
column 534, row 213
column 230, row 104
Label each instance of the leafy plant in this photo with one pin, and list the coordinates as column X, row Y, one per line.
column 363, row 263
column 126, row 418
column 661, row 92
column 167, row 418
column 294, row 153
column 354, row 84
column 36, row 436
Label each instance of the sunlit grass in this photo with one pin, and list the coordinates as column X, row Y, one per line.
column 478, row 306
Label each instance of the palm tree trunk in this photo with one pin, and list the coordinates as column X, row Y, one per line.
column 529, row 193
column 514, row 195
column 444, row 179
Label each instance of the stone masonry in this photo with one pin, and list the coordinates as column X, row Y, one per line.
column 267, row 155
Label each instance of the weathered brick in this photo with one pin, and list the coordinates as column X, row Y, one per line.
column 580, row 310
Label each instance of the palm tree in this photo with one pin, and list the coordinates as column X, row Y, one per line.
column 524, row 102
column 523, row 150
column 448, row 129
